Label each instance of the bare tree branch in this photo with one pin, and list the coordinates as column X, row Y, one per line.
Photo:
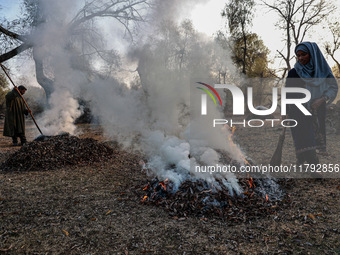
column 14, row 52
column 296, row 18
column 331, row 49
column 125, row 12
column 12, row 34
column 107, row 11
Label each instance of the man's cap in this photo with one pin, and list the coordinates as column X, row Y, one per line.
column 22, row 87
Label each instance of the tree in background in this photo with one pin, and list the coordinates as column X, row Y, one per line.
column 173, row 49
column 256, row 64
column 258, row 70
column 296, row 18
column 249, row 53
column 34, row 96
column 332, row 47
column 82, row 39
column 223, row 67
column 171, row 57
column 4, row 89
column 239, row 15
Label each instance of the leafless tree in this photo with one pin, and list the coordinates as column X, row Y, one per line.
column 126, row 12
column 296, row 18
column 334, row 46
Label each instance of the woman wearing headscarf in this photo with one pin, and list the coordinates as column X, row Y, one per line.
column 312, row 72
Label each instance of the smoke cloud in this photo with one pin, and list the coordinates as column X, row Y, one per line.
column 174, row 10
column 156, row 116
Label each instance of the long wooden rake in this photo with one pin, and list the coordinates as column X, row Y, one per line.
column 16, row 88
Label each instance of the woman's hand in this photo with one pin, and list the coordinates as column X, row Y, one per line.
column 317, row 102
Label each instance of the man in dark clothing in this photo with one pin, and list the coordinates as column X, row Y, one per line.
column 14, row 117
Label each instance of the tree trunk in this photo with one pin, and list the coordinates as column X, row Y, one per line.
column 336, row 62
column 45, row 83
column 244, row 50
column 288, row 45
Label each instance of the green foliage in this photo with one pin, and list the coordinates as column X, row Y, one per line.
column 256, row 57
column 249, row 53
column 239, row 15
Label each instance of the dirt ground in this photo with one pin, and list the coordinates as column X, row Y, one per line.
column 95, row 209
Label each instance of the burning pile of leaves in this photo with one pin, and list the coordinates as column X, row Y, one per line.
column 56, row 152
column 199, row 199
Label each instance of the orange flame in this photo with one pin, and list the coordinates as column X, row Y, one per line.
column 251, row 183
column 163, row 183
column 233, row 130
column 146, row 187
column 246, row 161
column 267, row 198
column 144, row 198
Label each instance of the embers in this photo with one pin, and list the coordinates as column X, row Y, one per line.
column 156, row 191
column 202, row 199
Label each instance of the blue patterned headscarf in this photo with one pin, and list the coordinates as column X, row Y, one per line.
column 317, row 68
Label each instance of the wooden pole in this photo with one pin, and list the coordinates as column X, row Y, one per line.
column 16, row 88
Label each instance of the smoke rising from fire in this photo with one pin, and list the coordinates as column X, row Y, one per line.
column 155, row 118
column 173, row 10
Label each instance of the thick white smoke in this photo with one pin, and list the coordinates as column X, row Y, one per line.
column 61, row 114
column 156, row 117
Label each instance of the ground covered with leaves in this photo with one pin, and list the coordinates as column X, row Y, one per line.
column 97, row 208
